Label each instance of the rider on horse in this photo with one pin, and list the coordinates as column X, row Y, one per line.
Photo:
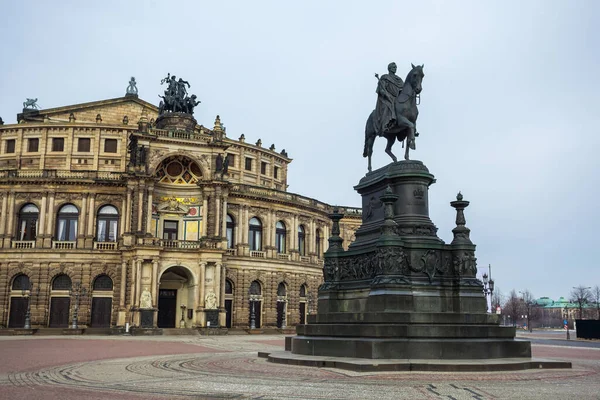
column 388, row 88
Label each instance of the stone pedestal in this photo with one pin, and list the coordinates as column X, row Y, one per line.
column 176, row 122
column 400, row 292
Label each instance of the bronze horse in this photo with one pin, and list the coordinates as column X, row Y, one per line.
column 406, row 117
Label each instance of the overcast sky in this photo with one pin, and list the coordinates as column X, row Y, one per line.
column 509, row 111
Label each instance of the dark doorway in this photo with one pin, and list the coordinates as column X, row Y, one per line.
column 302, row 313
column 101, row 312
column 280, row 312
column 167, row 308
column 228, row 309
column 59, row 312
column 18, row 309
column 257, row 308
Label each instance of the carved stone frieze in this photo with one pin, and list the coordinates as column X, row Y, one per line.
column 418, row 230
column 465, row 263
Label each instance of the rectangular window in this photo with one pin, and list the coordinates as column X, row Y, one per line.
column 275, row 172
column 248, row 164
column 32, row 145
column 110, row 145
column 170, row 230
column 58, row 144
column 263, row 168
column 10, row 146
column 83, row 145
column 231, row 162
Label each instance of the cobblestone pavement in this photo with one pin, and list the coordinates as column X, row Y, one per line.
column 227, row 367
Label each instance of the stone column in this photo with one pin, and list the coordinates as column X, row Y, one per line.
column 3, row 215
column 123, row 284
column 42, row 221
column 138, row 282
column 123, row 220
column 201, row 284
column 132, row 282
column 128, row 211
column 50, row 222
column 155, row 283
column 81, row 229
column 217, row 280
column 204, row 216
column 122, row 313
column 222, row 293
column 217, row 216
column 140, row 210
column 9, row 219
column 224, row 224
column 312, row 237
column 149, row 211
column 92, row 211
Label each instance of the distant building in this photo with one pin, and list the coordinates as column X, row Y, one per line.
column 553, row 313
column 154, row 223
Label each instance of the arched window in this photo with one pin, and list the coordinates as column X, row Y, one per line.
column 66, row 226
column 61, row 282
column 255, row 234
column 303, row 291
column 281, row 290
column 228, row 287
column 301, row 241
column 280, row 237
column 21, row 282
column 255, row 288
column 28, row 220
column 106, row 225
column 103, row 283
column 318, row 243
column 230, row 231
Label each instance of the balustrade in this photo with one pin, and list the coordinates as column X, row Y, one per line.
column 63, row 245
column 23, row 244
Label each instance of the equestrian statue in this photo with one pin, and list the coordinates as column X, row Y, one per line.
column 396, row 112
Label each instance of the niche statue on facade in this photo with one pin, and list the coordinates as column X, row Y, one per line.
column 210, row 301
column 146, row 299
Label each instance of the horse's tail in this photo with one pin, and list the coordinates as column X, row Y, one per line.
column 369, row 132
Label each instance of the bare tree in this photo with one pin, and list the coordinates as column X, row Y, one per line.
column 581, row 296
column 529, row 307
column 512, row 307
column 596, row 300
column 497, row 299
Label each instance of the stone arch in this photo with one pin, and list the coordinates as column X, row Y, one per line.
column 202, row 161
column 177, row 286
column 188, row 270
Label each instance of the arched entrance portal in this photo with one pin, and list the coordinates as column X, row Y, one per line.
column 176, row 298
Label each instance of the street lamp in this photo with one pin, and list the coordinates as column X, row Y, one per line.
column 27, row 292
column 253, row 300
column 488, row 286
column 182, row 322
column 77, row 291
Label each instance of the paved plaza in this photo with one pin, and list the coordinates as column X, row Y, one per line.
column 227, row 367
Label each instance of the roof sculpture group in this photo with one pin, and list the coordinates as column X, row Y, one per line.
column 176, row 97
column 396, row 111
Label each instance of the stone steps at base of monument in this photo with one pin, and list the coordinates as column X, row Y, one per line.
column 413, row 365
column 179, row 331
column 402, row 348
column 404, row 318
column 407, row 331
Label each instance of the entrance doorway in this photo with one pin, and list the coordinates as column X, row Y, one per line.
column 18, row 309
column 167, row 308
column 59, row 312
column 101, row 311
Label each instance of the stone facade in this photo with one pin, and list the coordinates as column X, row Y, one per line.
column 170, row 240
